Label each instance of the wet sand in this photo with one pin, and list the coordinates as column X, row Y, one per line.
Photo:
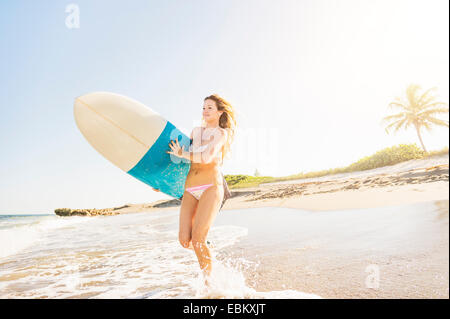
column 397, row 251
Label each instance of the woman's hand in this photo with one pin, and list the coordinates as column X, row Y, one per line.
column 175, row 148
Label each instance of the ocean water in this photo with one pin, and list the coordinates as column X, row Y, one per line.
column 133, row 255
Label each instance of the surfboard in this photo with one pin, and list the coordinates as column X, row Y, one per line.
column 135, row 138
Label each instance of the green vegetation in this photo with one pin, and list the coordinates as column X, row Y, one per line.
column 385, row 157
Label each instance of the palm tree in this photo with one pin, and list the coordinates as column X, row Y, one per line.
column 418, row 110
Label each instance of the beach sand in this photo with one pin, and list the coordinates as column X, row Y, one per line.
column 381, row 233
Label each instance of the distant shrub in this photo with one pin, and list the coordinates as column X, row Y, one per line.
column 388, row 156
column 236, row 181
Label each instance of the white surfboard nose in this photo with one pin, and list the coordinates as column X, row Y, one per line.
column 119, row 128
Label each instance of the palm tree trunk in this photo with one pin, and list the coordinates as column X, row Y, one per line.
column 420, row 138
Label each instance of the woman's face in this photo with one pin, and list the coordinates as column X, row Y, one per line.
column 210, row 112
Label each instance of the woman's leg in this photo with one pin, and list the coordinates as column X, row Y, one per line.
column 207, row 209
column 187, row 212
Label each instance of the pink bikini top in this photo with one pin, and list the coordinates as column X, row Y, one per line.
column 201, row 148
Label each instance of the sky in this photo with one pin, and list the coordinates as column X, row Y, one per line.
column 310, row 82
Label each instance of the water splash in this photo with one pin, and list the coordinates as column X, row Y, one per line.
column 227, row 281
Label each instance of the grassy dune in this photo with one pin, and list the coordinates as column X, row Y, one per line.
column 384, row 157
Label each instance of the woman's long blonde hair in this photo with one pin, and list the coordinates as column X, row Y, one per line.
column 227, row 120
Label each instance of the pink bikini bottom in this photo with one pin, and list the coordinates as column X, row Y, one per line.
column 197, row 191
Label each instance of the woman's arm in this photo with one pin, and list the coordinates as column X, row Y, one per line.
column 189, row 155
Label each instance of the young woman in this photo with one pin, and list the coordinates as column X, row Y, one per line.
column 204, row 186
